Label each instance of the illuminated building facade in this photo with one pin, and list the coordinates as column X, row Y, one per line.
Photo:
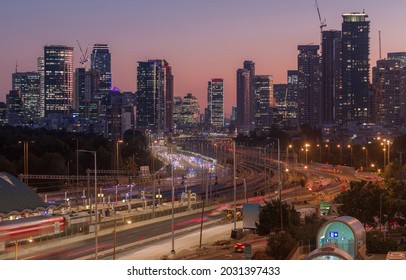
column 354, row 102
column 264, row 101
column 58, row 79
column 215, row 96
column 309, row 79
column 154, row 99
column 101, row 61
column 29, row 86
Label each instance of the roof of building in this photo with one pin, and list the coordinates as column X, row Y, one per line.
column 16, row 197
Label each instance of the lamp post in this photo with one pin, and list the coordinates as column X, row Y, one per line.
column 328, row 147
column 341, row 153
column 77, row 169
column 25, row 144
column 350, row 147
column 388, row 141
column 95, row 199
column 318, row 146
column 306, row 150
column 287, row 155
column 173, row 203
column 384, row 154
column 366, row 156
column 280, row 180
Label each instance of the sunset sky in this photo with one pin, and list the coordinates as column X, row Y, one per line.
column 201, row 39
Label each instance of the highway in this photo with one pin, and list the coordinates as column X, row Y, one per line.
column 138, row 235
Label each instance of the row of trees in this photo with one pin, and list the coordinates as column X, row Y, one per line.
column 370, row 203
column 271, row 223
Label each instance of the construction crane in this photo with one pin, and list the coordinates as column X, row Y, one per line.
column 85, row 56
column 322, row 22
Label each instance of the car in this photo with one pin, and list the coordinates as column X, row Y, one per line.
column 239, row 247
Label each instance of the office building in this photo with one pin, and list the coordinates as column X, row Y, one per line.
column 389, row 82
column 186, row 112
column 309, row 83
column 29, row 86
column 244, row 100
column 100, row 60
column 15, row 112
column 154, row 98
column 40, row 70
column 58, row 79
column 331, row 68
column 354, row 101
column 264, row 101
column 292, row 88
column 215, row 103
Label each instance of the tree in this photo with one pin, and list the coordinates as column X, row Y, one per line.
column 280, row 245
column 270, row 217
column 363, row 201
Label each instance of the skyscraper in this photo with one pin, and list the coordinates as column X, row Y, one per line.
column 14, row 106
column 215, row 96
column 186, row 111
column 309, row 85
column 389, row 81
column 79, row 90
column 246, row 97
column 58, row 79
column 101, row 61
column 264, row 101
column 354, row 102
column 154, row 96
column 331, row 75
column 40, row 70
column 292, row 88
column 29, row 86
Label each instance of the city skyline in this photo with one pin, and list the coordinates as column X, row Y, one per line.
column 189, row 34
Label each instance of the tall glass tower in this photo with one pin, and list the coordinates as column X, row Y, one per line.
column 331, row 75
column 154, row 96
column 215, row 96
column 58, row 79
column 101, row 61
column 29, row 86
column 354, row 102
column 309, row 84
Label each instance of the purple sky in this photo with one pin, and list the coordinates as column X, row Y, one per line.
column 201, row 39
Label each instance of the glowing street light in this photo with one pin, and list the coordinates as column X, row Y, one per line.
column 306, row 150
column 341, row 153
column 328, row 147
column 350, row 147
column 366, row 155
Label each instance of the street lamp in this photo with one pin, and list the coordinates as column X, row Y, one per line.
column 388, row 141
column 384, row 154
column 318, row 146
column 95, row 199
column 279, row 180
column 306, row 150
column 173, row 201
column 25, row 143
column 328, row 147
column 366, row 155
column 77, row 169
column 287, row 154
column 350, row 147
column 341, row 153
